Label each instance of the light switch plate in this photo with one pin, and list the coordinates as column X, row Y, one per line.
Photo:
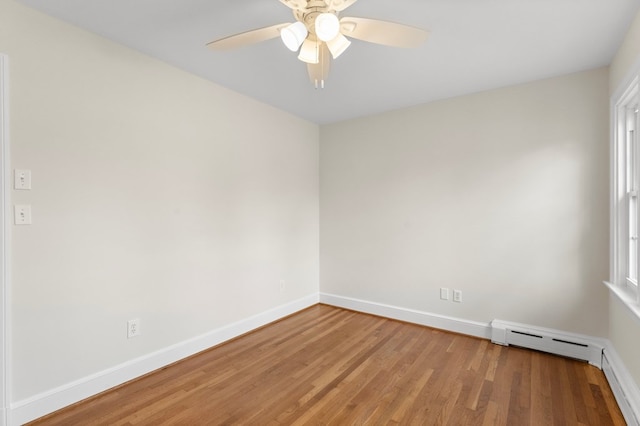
column 22, row 179
column 22, row 215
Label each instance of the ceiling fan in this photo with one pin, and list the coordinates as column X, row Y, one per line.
column 319, row 34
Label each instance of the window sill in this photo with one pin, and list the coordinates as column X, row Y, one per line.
column 627, row 297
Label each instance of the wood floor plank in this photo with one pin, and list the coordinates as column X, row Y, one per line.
column 541, row 400
column 327, row 366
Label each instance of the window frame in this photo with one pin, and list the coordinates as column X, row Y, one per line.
column 625, row 195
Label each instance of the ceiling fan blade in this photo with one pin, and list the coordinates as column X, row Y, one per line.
column 247, row 38
column 383, row 32
column 319, row 72
column 339, row 5
column 295, row 4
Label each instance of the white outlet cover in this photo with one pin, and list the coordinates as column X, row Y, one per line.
column 133, row 328
column 444, row 293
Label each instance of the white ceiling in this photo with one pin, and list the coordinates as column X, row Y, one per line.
column 474, row 45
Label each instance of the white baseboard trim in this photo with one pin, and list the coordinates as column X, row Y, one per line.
column 623, row 386
column 471, row 328
column 30, row 409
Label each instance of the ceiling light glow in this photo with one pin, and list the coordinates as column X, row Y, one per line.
column 327, row 26
column 293, row 35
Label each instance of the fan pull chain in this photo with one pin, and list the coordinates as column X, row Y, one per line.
column 320, row 63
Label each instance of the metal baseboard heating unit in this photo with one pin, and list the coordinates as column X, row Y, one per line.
column 547, row 340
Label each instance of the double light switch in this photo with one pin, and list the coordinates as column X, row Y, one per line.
column 22, row 181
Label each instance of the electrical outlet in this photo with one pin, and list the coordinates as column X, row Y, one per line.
column 444, row 293
column 283, row 286
column 133, row 328
column 457, row 296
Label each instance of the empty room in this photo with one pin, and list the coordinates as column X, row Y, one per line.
column 319, row 212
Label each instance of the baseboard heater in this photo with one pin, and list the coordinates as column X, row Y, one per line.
column 547, row 340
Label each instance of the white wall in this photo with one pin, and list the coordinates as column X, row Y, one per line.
column 624, row 327
column 156, row 195
column 501, row 194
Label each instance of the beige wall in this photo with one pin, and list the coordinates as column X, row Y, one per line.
column 621, row 323
column 627, row 56
column 502, row 194
column 155, row 195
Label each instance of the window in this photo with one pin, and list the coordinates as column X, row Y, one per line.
column 631, row 192
column 625, row 206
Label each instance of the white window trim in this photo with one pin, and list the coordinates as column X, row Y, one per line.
column 619, row 283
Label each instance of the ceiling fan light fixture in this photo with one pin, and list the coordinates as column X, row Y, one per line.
column 309, row 52
column 294, row 35
column 327, row 26
column 338, row 45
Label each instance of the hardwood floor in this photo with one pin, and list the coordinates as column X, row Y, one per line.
column 327, row 365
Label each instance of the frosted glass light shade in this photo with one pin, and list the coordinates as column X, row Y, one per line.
column 338, row 45
column 309, row 52
column 293, row 35
column 327, row 26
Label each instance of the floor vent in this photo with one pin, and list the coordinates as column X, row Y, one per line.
column 547, row 340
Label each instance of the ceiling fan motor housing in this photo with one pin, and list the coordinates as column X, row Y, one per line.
column 310, row 13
